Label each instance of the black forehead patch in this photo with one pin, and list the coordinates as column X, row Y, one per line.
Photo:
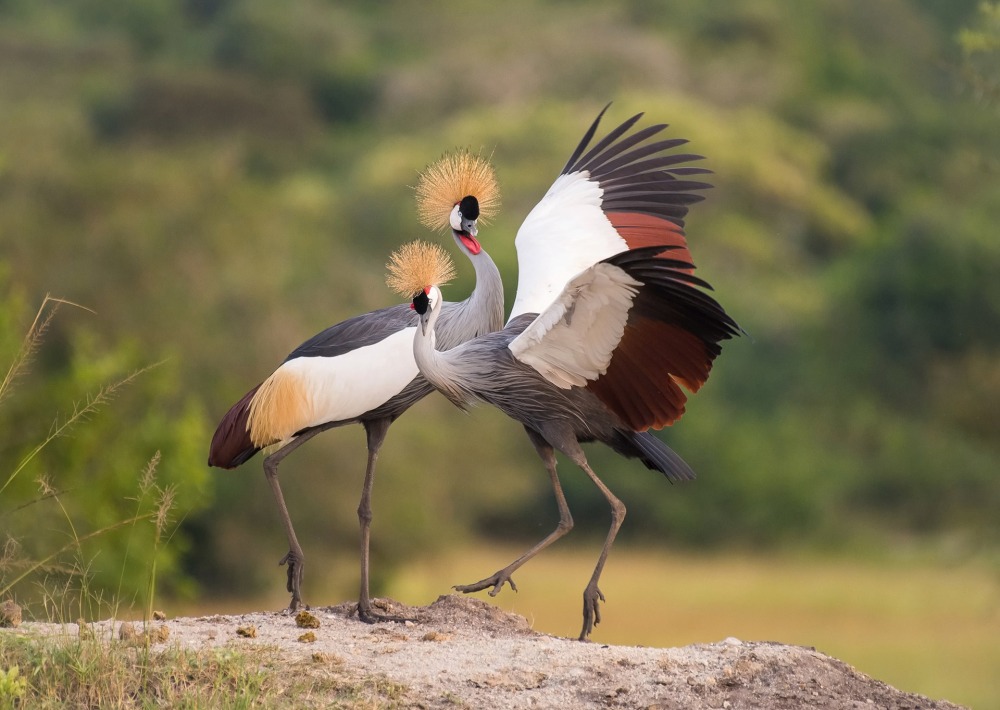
column 469, row 207
column 421, row 302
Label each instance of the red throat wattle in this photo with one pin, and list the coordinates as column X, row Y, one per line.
column 470, row 243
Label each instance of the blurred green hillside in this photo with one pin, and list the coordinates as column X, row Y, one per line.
column 218, row 180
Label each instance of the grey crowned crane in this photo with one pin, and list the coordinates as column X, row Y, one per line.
column 541, row 370
column 627, row 191
column 362, row 369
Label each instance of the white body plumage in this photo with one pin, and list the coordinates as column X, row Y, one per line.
column 309, row 391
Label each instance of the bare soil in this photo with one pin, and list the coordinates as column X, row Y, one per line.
column 463, row 652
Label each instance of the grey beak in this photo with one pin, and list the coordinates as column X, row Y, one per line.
column 470, row 226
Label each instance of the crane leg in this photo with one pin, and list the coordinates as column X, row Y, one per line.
column 501, row 577
column 295, row 559
column 375, row 430
column 592, row 595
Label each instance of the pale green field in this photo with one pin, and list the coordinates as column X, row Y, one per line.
column 921, row 628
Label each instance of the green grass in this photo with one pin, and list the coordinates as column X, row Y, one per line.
column 922, row 628
column 74, row 672
column 69, row 671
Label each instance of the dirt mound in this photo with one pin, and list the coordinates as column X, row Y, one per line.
column 463, row 652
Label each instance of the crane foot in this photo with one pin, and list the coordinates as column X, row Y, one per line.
column 592, row 597
column 296, row 567
column 368, row 615
column 496, row 581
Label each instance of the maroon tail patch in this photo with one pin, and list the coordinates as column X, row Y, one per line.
column 231, row 443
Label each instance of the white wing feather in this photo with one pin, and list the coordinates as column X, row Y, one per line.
column 573, row 339
column 565, row 233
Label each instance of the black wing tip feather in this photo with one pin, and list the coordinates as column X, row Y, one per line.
column 679, row 290
column 587, row 137
column 636, row 171
column 617, row 152
column 576, row 162
column 611, row 153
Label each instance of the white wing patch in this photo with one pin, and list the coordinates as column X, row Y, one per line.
column 309, row 391
column 572, row 340
column 565, row 233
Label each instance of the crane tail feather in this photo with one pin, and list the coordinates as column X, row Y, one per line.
column 231, row 444
column 657, row 456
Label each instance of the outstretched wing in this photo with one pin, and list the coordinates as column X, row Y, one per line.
column 631, row 328
column 627, row 191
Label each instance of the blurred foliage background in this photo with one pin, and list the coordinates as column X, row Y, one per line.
column 220, row 179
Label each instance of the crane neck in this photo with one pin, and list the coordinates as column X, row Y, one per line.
column 436, row 366
column 486, row 302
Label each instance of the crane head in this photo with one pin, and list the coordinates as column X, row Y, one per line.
column 456, row 192
column 420, row 268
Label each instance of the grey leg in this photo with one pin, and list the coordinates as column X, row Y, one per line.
column 376, row 430
column 592, row 594
column 295, row 559
column 501, row 577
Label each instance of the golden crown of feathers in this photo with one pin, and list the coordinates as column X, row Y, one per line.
column 443, row 184
column 416, row 265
